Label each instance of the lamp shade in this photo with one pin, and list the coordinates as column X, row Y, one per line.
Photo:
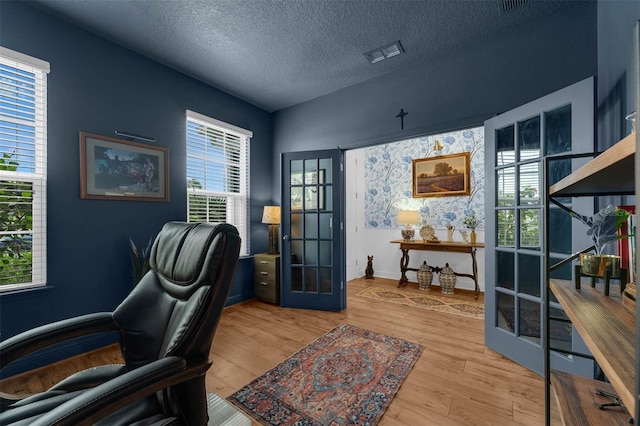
column 408, row 217
column 271, row 214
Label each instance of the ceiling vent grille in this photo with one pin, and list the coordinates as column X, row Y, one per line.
column 384, row 52
column 508, row 5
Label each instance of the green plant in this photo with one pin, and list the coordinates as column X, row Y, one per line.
column 604, row 225
column 139, row 260
column 16, row 224
column 470, row 222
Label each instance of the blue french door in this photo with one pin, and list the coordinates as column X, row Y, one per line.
column 312, row 269
column 517, row 142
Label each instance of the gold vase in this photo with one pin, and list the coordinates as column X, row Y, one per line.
column 473, row 236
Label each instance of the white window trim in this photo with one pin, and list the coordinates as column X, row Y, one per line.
column 244, row 177
column 39, row 177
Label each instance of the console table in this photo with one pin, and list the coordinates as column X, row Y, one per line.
column 443, row 246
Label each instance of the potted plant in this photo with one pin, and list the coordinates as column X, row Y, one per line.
column 471, row 222
column 603, row 229
column 139, row 260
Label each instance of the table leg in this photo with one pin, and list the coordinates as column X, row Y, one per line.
column 475, row 272
column 404, row 263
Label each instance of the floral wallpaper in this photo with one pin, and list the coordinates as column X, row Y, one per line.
column 388, row 179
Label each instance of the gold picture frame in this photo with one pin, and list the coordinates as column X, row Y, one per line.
column 442, row 176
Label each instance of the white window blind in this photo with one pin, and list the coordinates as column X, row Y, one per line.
column 218, row 174
column 23, row 174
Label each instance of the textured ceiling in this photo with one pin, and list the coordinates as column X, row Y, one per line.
column 277, row 53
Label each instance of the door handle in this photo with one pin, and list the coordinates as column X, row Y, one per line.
column 285, row 237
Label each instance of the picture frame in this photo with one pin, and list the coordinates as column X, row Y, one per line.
column 442, row 176
column 116, row 169
column 308, row 194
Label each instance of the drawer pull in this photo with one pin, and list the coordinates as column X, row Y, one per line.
column 263, row 283
column 264, row 262
column 264, row 273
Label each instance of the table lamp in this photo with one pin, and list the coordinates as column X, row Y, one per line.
column 271, row 215
column 408, row 218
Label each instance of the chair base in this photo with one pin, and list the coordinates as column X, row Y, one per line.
column 221, row 413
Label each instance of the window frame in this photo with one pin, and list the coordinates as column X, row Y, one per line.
column 237, row 212
column 38, row 176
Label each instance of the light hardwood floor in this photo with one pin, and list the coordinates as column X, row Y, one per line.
column 456, row 380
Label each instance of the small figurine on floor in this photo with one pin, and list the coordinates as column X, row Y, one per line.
column 368, row 272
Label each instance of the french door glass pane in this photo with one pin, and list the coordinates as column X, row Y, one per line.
column 296, row 278
column 530, row 229
column 310, row 171
column 529, row 182
column 559, row 331
column 560, row 238
column 505, row 265
column 311, row 253
column 325, row 281
column 529, row 138
column 311, row 225
column 505, row 311
column 297, row 252
column 325, row 226
column 311, row 279
column 325, row 253
column 529, row 320
column 506, row 228
column 505, row 146
column 529, row 281
column 558, row 130
column 506, row 190
column 559, row 169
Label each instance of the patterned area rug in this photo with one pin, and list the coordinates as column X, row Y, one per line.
column 348, row 376
column 426, row 301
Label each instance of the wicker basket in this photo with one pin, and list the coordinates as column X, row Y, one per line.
column 425, row 276
column 447, row 280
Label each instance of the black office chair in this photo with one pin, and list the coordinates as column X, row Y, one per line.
column 166, row 326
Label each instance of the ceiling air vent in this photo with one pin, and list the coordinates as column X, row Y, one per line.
column 508, row 5
column 384, row 52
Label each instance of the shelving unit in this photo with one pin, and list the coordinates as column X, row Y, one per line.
column 606, row 326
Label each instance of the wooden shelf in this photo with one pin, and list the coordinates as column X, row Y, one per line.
column 609, row 331
column 610, row 173
column 576, row 399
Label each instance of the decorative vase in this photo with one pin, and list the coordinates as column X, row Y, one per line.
column 407, row 233
column 450, row 230
column 595, row 266
column 425, row 276
column 473, row 236
column 447, row 280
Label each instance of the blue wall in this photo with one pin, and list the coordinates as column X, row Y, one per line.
column 98, row 87
column 457, row 90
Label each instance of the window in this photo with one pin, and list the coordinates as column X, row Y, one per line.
column 23, row 174
column 218, row 173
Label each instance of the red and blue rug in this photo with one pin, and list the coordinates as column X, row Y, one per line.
column 347, row 376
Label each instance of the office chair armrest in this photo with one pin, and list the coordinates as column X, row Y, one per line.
column 96, row 403
column 46, row 335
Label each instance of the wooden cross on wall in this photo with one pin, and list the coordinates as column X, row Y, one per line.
column 401, row 116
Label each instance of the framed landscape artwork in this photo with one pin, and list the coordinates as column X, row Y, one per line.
column 117, row 169
column 446, row 175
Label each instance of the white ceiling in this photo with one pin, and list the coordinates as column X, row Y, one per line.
column 278, row 53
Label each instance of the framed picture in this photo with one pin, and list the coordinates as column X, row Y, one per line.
column 446, row 175
column 307, row 194
column 115, row 169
